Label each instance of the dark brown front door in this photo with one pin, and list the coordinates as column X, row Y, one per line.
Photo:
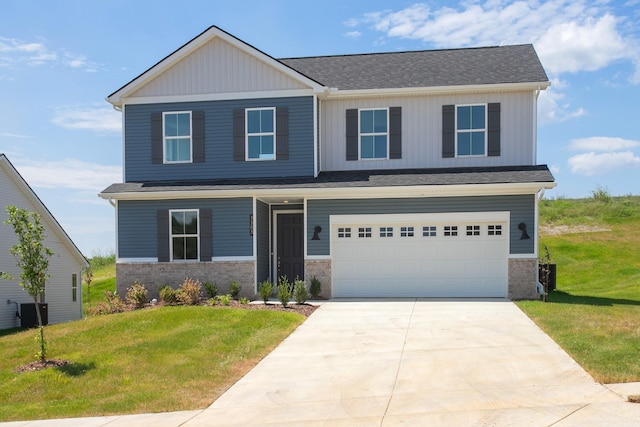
column 290, row 251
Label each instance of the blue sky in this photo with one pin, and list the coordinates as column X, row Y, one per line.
column 60, row 59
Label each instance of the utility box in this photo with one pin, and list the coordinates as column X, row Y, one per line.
column 29, row 317
column 551, row 286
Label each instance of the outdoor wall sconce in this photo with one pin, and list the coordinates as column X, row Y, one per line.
column 250, row 224
column 523, row 227
column 316, row 230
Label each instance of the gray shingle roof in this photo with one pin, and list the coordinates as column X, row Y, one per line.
column 427, row 68
column 354, row 179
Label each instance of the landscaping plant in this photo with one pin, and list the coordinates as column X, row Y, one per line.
column 168, row 295
column 300, row 293
column 265, row 289
column 315, row 287
column 189, row 292
column 137, row 295
column 284, row 290
column 234, row 289
column 211, row 289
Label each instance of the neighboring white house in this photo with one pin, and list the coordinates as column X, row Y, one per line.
column 63, row 291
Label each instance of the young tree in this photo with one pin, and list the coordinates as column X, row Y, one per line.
column 33, row 260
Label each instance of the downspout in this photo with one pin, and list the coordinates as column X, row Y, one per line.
column 539, row 286
column 536, row 93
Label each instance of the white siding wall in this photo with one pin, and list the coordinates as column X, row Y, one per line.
column 217, row 67
column 422, row 131
column 61, row 265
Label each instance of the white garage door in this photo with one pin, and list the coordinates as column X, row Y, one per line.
column 424, row 255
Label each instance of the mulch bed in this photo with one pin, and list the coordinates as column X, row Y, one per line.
column 38, row 365
column 304, row 309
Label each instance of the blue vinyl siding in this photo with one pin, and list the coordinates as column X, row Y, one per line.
column 137, row 226
column 262, row 234
column 218, row 142
column 522, row 208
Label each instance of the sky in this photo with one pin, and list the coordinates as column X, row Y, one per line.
column 59, row 60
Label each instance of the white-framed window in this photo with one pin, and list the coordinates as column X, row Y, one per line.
column 429, row 231
column 176, row 137
column 494, row 230
column 386, row 231
column 473, row 230
column 450, row 230
column 373, row 133
column 344, row 232
column 184, row 234
column 471, row 130
column 406, row 231
column 364, row 232
column 261, row 133
column 74, row 287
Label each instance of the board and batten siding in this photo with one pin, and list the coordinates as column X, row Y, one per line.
column 521, row 207
column 214, row 68
column 138, row 232
column 218, row 142
column 422, row 131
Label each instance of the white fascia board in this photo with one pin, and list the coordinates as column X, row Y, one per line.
column 344, row 193
column 218, row 96
column 434, row 90
column 117, row 98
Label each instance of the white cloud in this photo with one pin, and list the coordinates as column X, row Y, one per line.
column 14, row 51
column 69, row 173
column 14, row 135
column 598, row 164
column 555, row 169
column 602, row 143
column 353, row 34
column 100, row 119
column 552, row 108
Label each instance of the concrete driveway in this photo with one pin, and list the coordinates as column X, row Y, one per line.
column 407, row 362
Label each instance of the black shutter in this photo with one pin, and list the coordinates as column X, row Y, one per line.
column 282, row 133
column 395, row 132
column 238, row 135
column 163, row 235
column 206, row 241
column 156, row 138
column 197, row 123
column 352, row 134
column 493, row 128
column 448, row 131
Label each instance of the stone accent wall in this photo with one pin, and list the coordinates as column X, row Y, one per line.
column 322, row 270
column 155, row 275
column 522, row 278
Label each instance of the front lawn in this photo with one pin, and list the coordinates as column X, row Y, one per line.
column 152, row 360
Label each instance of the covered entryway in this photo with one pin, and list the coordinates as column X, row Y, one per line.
column 420, row 255
column 289, row 245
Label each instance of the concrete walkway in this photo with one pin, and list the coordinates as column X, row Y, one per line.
column 408, row 362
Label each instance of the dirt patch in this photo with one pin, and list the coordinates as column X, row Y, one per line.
column 635, row 398
column 39, row 365
column 554, row 230
column 304, row 309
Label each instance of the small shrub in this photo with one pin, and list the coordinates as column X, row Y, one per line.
column 168, row 295
column 244, row 301
column 601, row 194
column 234, row 289
column 224, row 299
column 113, row 304
column 189, row 292
column 210, row 288
column 265, row 289
column 315, row 288
column 300, row 293
column 284, row 290
column 137, row 295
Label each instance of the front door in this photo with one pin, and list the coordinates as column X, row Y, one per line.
column 290, row 246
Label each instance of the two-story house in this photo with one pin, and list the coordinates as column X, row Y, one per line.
column 404, row 174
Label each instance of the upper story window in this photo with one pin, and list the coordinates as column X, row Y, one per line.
column 261, row 133
column 177, row 137
column 471, row 130
column 374, row 135
column 184, row 235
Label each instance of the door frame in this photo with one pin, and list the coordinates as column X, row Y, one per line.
column 274, row 242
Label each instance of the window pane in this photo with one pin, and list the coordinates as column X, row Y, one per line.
column 464, row 144
column 366, row 121
column 266, row 147
column 191, row 222
column 366, row 147
column 254, row 147
column 177, row 222
column 380, row 150
column 183, row 150
column 178, row 247
column 380, row 120
column 253, row 121
column 464, row 118
column 184, row 124
column 191, row 247
column 477, row 117
column 266, row 121
column 477, row 143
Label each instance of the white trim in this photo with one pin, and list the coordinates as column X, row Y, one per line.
column 171, row 235
column 316, row 132
column 164, row 138
column 254, row 237
column 344, row 192
column 272, row 134
column 136, row 260
column 317, row 258
column 122, row 141
column 374, row 134
column 274, row 248
column 522, row 256
column 485, row 130
column 225, row 96
column 116, row 213
column 441, row 217
column 232, row 258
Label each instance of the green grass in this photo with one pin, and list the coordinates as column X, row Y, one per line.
column 153, row 360
column 104, row 279
column 595, row 312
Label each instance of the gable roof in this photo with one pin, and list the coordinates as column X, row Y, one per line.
column 8, row 167
column 426, row 68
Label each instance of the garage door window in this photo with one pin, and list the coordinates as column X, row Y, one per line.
column 406, row 231
column 494, row 230
column 344, row 232
column 473, row 230
column 450, row 230
column 429, row 231
column 364, row 232
column 386, row 231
